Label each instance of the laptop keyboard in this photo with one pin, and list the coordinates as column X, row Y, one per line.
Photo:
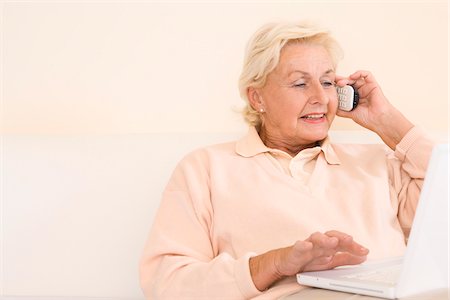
column 386, row 275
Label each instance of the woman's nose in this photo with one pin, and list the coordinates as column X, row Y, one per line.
column 318, row 95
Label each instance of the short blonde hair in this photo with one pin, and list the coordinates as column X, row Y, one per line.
column 263, row 54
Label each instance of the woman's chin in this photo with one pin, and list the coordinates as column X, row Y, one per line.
column 319, row 137
column 315, row 134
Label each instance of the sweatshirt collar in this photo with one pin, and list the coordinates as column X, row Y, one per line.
column 252, row 145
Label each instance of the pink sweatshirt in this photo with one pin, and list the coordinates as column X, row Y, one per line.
column 226, row 203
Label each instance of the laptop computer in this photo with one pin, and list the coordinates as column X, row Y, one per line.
column 423, row 267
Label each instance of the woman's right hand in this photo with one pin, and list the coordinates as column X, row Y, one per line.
column 374, row 111
column 321, row 251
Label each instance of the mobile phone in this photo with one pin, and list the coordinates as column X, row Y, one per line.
column 348, row 97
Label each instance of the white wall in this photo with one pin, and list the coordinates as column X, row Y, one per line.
column 76, row 210
column 73, row 67
column 100, row 99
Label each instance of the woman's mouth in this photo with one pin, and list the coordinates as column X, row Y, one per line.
column 313, row 117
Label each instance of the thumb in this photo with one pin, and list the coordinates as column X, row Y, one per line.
column 344, row 114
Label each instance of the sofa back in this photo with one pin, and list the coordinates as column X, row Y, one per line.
column 76, row 210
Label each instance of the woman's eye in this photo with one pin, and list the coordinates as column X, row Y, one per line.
column 301, row 85
column 327, row 83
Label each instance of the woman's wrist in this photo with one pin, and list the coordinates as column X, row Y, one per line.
column 263, row 270
column 393, row 127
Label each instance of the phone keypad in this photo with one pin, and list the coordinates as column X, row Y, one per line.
column 343, row 101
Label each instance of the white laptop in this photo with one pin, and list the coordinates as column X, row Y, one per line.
column 424, row 266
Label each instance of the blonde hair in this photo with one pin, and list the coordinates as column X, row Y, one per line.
column 263, row 53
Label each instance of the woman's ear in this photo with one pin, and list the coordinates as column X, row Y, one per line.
column 255, row 99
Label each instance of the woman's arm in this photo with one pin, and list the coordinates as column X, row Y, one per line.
column 374, row 111
column 180, row 260
column 407, row 168
column 412, row 149
column 318, row 252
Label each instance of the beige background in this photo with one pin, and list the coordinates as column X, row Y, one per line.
column 96, row 67
column 99, row 101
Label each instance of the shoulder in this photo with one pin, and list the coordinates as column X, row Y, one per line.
column 350, row 153
column 195, row 166
column 202, row 158
column 210, row 151
column 359, row 148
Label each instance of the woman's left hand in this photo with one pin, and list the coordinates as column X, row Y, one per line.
column 374, row 111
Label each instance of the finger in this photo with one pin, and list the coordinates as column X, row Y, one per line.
column 344, row 258
column 322, row 262
column 362, row 78
column 303, row 246
column 364, row 75
column 301, row 252
column 346, row 243
column 339, row 77
column 322, row 245
column 344, row 239
column 344, row 114
column 339, row 234
column 333, row 261
column 302, row 255
column 356, row 79
column 353, row 248
column 342, row 81
column 321, row 240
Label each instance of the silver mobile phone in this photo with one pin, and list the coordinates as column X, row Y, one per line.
column 348, row 97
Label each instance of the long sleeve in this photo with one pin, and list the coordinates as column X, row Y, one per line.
column 228, row 202
column 180, row 261
column 407, row 170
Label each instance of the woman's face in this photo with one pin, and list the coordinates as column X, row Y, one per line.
column 299, row 97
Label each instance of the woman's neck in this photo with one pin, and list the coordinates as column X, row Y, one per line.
column 275, row 142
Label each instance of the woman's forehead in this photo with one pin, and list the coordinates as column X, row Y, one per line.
column 304, row 60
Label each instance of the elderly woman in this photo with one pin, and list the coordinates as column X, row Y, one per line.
column 239, row 220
